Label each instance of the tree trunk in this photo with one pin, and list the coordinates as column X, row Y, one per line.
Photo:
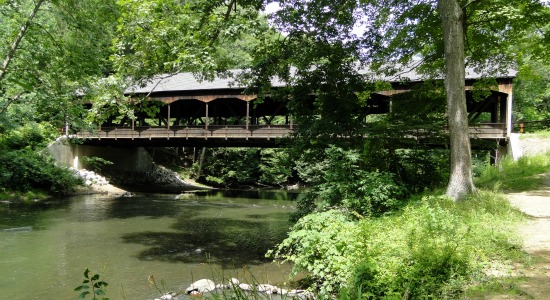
column 18, row 39
column 460, row 181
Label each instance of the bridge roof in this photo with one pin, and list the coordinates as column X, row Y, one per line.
column 188, row 82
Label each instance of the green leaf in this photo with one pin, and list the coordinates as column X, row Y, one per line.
column 82, row 287
column 24, row 85
column 83, row 294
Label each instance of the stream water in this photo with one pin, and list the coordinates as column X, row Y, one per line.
column 45, row 247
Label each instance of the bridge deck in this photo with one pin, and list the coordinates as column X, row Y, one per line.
column 225, row 135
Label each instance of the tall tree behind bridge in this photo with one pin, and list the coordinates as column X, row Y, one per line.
column 51, row 50
column 433, row 37
column 476, row 33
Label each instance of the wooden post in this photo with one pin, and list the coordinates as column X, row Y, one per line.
column 247, row 114
column 506, row 86
column 168, row 123
column 206, row 122
column 521, row 127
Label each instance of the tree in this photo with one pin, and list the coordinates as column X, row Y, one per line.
column 206, row 37
column 452, row 20
column 323, row 44
column 18, row 38
column 427, row 35
column 66, row 46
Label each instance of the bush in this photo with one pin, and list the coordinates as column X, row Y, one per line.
column 30, row 136
column 343, row 183
column 231, row 166
column 430, row 249
column 23, row 170
column 246, row 166
column 325, row 245
column 275, row 167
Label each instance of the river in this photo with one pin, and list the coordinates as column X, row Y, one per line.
column 45, row 247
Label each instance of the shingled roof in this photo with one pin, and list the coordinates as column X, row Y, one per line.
column 187, row 81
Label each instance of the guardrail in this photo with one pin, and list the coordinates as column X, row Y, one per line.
column 531, row 126
column 479, row 131
column 488, row 131
column 190, row 132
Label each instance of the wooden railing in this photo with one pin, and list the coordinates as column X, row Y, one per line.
column 524, row 126
column 479, row 131
column 190, row 132
column 488, row 131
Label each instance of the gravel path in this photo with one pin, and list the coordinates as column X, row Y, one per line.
column 536, row 234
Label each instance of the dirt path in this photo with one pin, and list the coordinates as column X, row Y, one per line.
column 536, row 235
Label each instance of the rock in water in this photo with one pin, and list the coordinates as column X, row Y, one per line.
column 201, row 286
column 246, row 287
column 265, row 288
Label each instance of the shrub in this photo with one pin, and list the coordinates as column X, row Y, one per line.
column 275, row 167
column 343, row 183
column 30, row 136
column 23, row 170
column 323, row 244
column 430, row 249
column 231, row 166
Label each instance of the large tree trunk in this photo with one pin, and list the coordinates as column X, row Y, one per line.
column 460, row 181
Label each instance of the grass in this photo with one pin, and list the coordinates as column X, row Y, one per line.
column 433, row 247
column 518, row 176
column 539, row 134
column 508, row 286
column 510, row 176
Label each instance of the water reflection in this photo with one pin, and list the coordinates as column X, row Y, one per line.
column 176, row 238
column 15, row 215
column 210, row 228
column 224, row 240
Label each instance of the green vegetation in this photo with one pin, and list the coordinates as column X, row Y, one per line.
column 431, row 248
column 234, row 167
column 518, row 176
column 358, row 232
column 24, row 172
column 91, row 285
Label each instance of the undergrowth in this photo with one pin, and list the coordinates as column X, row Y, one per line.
column 520, row 175
column 431, row 248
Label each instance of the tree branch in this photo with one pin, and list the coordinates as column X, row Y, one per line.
column 10, row 101
column 230, row 6
column 18, row 39
column 470, row 3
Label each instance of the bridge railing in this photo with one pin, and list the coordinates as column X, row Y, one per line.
column 488, row 130
column 212, row 131
column 479, row 131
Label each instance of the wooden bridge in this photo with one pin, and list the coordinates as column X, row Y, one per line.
column 220, row 113
column 227, row 135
